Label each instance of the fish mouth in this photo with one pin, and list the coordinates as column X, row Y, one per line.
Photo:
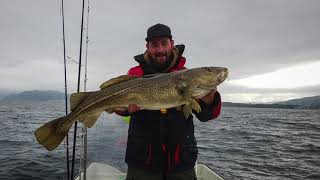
column 223, row 75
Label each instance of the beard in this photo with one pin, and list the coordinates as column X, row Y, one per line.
column 161, row 55
column 162, row 64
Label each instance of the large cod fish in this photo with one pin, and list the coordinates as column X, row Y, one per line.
column 153, row 92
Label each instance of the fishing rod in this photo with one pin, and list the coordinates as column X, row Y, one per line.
column 83, row 153
column 78, row 90
column 65, row 85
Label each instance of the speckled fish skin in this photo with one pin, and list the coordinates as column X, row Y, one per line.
column 153, row 92
column 156, row 92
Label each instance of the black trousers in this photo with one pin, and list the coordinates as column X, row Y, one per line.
column 138, row 174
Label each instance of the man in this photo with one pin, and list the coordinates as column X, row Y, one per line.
column 161, row 144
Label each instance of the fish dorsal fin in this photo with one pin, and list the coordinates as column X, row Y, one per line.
column 117, row 80
column 152, row 75
column 77, row 98
column 159, row 74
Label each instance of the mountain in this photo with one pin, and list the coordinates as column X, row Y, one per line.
column 35, row 95
column 312, row 102
column 301, row 103
column 3, row 94
column 285, row 106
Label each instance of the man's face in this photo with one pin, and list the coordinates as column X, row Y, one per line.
column 160, row 49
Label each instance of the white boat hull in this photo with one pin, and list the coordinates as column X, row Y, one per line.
column 98, row 171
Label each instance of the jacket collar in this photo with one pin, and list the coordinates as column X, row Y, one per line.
column 145, row 62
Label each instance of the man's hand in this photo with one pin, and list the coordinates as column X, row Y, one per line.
column 208, row 99
column 133, row 108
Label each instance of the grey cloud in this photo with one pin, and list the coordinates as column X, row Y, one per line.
column 248, row 37
column 228, row 88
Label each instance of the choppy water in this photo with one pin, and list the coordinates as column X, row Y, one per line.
column 243, row 143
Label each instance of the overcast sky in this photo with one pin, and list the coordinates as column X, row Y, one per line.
column 272, row 48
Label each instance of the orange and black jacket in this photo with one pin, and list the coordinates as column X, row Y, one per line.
column 164, row 141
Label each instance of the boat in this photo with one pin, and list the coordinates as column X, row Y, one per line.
column 99, row 171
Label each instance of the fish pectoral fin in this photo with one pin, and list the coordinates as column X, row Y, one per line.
column 195, row 105
column 117, row 80
column 191, row 105
column 183, row 88
column 90, row 120
column 77, row 98
column 187, row 110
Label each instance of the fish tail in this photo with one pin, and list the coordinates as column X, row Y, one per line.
column 49, row 136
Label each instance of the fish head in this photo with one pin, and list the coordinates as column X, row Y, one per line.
column 212, row 76
column 202, row 80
